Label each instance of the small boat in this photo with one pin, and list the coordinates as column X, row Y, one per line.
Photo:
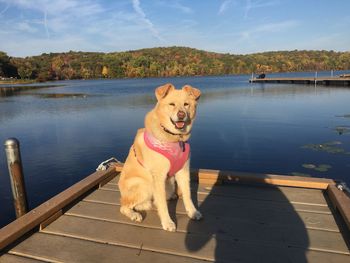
column 247, row 218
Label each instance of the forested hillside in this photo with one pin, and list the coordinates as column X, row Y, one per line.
column 164, row 62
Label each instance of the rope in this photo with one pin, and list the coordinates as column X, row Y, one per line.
column 106, row 164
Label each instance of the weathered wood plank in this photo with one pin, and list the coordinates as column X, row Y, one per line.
column 276, row 194
column 239, row 209
column 311, row 256
column 190, row 244
column 341, row 202
column 8, row 258
column 33, row 218
column 66, row 249
column 243, row 230
column 330, row 81
column 213, row 176
column 51, row 219
column 280, row 200
column 272, row 179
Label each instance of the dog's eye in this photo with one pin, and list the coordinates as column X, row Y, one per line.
column 186, row 104
column 172, row 104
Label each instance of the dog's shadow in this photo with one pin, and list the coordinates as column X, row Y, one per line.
column 243, row 228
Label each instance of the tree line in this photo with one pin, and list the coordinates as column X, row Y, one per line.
column 165, row 62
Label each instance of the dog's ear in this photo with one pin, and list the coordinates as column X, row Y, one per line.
column 162, row 91
column 196, row 93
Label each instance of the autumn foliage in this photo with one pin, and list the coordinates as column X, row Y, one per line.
column 166, row 62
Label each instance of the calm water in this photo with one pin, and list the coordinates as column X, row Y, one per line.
column 240, row 126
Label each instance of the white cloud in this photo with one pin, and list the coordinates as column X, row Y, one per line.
column 224, row 6
column 83, row 28
column 25, row 27
column 81, row 8
column 251, row 4
column 277, row 27
column 54, row 16
column 181, row 7
column 270, row 28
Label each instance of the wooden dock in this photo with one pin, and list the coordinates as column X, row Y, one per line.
column 247, row 218
column 329, row 81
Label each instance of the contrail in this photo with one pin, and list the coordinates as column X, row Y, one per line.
column 5, row 9
column 45, row 24
column 137, row 7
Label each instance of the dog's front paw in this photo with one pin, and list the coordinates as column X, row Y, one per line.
column 135, row 216
column 169, row 226
column 195, row 215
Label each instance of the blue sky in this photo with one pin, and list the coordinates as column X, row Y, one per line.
column 32, row 27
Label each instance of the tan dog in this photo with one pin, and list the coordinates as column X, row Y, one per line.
column 146, row 174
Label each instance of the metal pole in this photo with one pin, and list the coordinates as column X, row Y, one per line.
column 16, row 175
column 315, row 78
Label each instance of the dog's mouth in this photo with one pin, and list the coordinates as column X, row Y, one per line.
column 179, row 124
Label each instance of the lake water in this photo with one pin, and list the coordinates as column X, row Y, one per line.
column 264, row 128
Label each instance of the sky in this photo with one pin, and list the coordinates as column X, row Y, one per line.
column 33, row 27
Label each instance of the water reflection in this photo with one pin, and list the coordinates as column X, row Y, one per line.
column 6, row 91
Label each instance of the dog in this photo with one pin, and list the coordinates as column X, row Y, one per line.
column 159, row 156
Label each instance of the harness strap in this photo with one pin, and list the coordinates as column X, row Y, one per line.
column 176, row 153
column 138, row 160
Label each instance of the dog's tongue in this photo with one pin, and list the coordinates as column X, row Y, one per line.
column 179, row 124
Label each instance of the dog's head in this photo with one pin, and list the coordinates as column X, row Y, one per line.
column 176, row 109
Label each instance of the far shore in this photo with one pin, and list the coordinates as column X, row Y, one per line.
column 18, row 81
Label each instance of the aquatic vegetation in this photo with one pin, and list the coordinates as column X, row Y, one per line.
column 323, row 167
column 319, row 168
column 329, row 147
column 309, row 166
column 342, row 130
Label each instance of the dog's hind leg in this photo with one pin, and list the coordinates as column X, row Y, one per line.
column 147, row 205
column 134, row 197
column 132, row 214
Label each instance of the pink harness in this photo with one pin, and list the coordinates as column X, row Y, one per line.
column 176, row 152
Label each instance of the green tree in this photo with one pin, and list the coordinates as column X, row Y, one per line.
column 25, row 71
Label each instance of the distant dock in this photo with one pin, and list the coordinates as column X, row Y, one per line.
column 326, row 81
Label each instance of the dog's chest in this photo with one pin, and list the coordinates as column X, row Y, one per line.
column 176, row 152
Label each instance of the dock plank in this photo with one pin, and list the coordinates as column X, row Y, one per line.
column 326, row 81
column 317, row 256
column 238, row 209
column 33, row 218
column 255, row 196
column 8, row 258
column 243, row 230
column 272, row 193
column 181, row 244
column 242, row 223
column 45, row 246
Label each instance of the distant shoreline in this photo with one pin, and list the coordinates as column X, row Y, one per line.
column 8, row 82
column 167, row 62
column 18, row 81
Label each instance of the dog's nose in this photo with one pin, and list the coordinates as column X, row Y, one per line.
column 181, row 115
